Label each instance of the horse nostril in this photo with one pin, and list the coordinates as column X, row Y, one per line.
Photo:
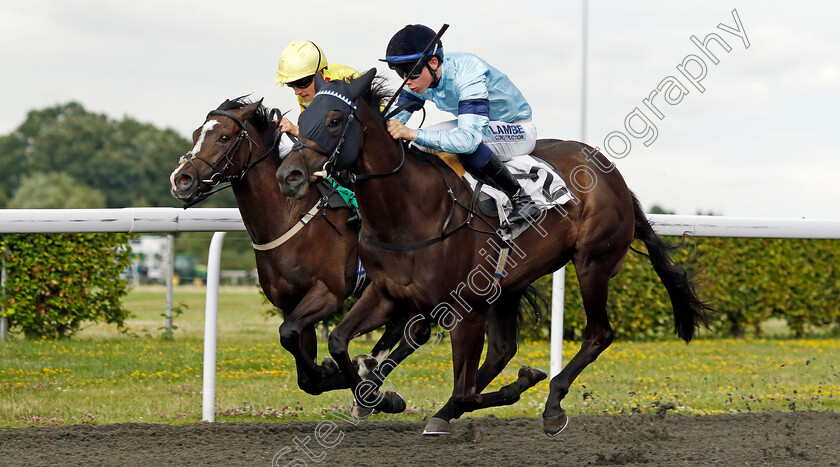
column 294, row 176
column 184, row 181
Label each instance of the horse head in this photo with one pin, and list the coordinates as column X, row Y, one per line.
column 222, row 149
column 330, row 134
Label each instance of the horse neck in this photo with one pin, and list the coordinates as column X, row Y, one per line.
column 415, row 191
column 266, row 212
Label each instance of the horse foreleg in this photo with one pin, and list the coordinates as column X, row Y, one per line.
column 502, row 333
column 371, row 312
column 414, row 334
column 394, row 331
column 297, row 335
column 594, row 279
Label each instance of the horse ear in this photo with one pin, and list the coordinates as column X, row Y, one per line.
column 319, row 82
column 249, row 110
column 361, row 84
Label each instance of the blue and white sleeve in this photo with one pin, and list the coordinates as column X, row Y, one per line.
column 473, row 115
column 408, row 97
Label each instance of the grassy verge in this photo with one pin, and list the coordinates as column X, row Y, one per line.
column 102, row 377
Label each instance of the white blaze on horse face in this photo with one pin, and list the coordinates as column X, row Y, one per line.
column 172, row 176
column 204, row 129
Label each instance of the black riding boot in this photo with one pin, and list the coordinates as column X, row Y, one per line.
column 497, row 175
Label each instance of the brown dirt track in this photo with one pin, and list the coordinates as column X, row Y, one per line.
column 778, row 439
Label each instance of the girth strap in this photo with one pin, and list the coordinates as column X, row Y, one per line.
column 410, row 246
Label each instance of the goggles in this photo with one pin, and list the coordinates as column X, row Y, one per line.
column 302, row 83
column 403, row 70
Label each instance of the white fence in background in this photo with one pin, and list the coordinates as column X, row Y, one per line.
column 222, row 220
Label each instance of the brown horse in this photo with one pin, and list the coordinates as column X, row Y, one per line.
column 307, row 274
column 418, row 254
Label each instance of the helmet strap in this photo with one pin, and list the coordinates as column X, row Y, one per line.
column 435, row 79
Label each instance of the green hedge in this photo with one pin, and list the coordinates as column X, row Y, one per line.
column 747, row 280
column 57, row 282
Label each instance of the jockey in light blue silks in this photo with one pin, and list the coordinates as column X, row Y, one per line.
column 494, row 119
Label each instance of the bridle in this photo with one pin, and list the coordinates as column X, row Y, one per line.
column 332, row 157
column 218, row 175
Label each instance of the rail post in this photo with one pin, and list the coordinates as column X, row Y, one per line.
column 211, row 313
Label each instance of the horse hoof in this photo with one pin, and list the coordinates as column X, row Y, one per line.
column 436, row 427
column 330, row 365
column 328, row 369
column 554, row 425
column 392, row 402
column 359, row 412
column 534, row 374
column 364, row 364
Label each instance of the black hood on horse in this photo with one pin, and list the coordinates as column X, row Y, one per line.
column 339, row 135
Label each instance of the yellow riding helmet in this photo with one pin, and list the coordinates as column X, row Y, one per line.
column 299, row 60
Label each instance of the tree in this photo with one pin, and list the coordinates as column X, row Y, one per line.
column 18, row 148
column 657, row 209
column 55, row 190
column 127, row 161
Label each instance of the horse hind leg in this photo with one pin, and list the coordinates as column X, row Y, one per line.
column 594, row 277
column 502, row 335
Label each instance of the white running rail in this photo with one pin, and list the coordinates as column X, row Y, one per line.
column 221, row 220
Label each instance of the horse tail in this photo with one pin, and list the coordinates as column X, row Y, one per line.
column 529, row 311
column 689, row 310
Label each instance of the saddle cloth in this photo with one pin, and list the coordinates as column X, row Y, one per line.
column 538, row 179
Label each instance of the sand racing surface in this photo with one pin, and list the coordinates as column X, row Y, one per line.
column 792, row 438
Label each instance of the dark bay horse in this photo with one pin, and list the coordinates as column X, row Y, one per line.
column 410, row 202
column 307, row 274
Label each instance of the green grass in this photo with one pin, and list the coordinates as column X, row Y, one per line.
column 104, row 377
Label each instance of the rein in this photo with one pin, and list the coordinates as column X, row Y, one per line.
column 331, row 158
column 444, row 234
column 362, row 177
column 298, row 146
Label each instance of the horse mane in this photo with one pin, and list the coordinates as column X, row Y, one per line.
column 265, row 127
column 380, row 92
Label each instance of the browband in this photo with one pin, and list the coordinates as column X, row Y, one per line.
column 337, row 95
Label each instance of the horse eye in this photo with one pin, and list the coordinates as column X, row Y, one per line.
column 335, row 121
column 224, row 138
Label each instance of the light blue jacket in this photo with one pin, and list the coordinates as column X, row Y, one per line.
column 473, row 91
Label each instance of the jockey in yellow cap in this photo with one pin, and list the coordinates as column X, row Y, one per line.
column 298, row 64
